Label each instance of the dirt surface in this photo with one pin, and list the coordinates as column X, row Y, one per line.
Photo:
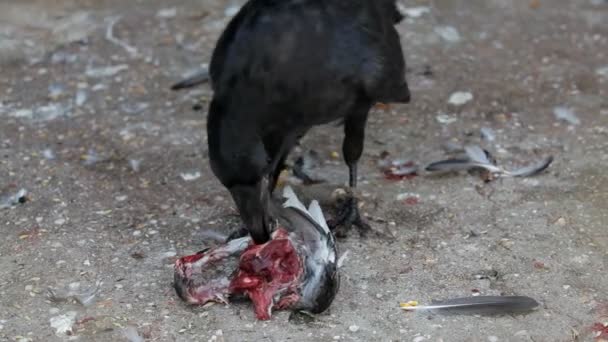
column 118, row 183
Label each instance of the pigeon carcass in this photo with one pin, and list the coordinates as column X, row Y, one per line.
column 296, row 270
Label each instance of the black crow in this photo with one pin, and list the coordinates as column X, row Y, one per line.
column 283, row 66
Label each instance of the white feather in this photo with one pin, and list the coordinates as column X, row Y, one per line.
column 477, row 154
column 292, row 200
column 342, row 259
column 314, row 209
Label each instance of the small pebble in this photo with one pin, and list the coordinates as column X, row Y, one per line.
column 353, row 328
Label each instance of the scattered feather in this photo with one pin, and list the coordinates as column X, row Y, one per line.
column 73, row 292
column 532, row 169
column 478, row 158
column 194, row 79
column 478, row 155
column 7, row 201
column 566, row 114
column 450, row 165
column 478, row 305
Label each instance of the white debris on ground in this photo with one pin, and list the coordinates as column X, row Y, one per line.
column 567, row 115
column 603, row 71
column 414, row 12
column 8, row 201
column 63, row 323
column 106, row 71
column 131, row 334
column 448, row 33
column 166, row 13
column 488, row 134
column 190, row 176
column 445, row 119
column 460, row 98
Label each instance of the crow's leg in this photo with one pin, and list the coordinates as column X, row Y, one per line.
column 352, row 148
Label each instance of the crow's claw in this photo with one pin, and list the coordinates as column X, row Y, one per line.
column 347, row 217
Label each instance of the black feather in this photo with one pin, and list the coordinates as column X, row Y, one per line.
column 482, row 305
column 450, row 165
column 192, row 81
column 533, row 169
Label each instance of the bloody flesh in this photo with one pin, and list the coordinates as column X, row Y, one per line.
column 269, row 271
column 269, row 274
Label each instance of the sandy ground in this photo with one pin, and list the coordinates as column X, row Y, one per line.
column 110, row 160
